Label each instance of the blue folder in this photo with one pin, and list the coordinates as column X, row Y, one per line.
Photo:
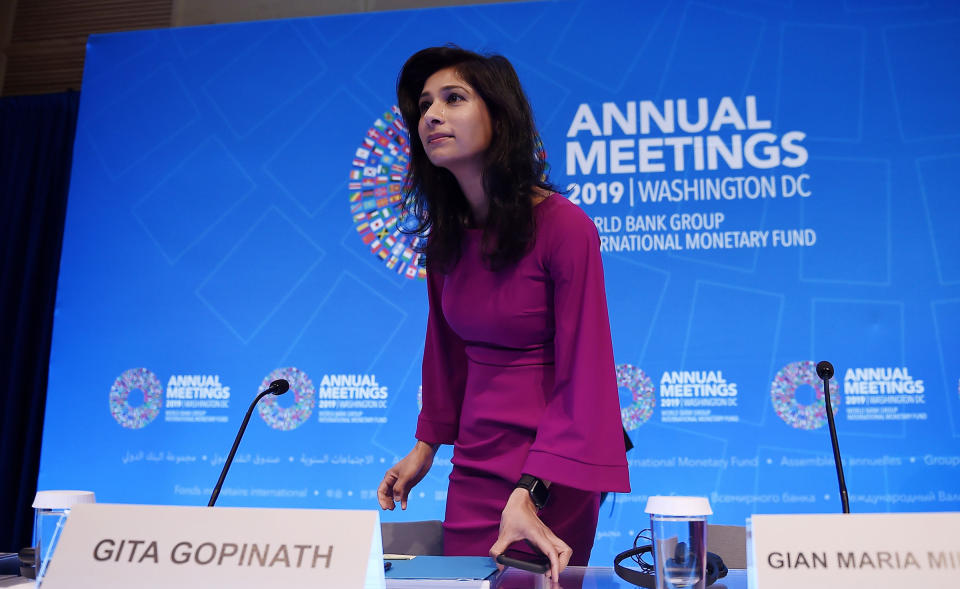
column 442, row 567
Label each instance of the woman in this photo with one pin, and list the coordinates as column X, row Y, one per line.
column 518, row 367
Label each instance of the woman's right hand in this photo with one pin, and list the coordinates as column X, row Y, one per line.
column 404, row 475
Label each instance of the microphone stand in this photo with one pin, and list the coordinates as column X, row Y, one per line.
column 825, row 372
column 277, row 387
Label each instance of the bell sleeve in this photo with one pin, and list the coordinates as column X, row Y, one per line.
column 579, row 441
column 444, row 373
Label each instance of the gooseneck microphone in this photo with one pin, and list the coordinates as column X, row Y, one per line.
column 825, row 372
column 277, row 387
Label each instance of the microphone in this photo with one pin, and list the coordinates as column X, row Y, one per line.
column 277, row 387
column 825, row 372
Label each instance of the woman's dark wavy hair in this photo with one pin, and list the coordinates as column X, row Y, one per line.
column 513, row 165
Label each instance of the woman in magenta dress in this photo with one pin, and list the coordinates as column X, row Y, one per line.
column 518, row 369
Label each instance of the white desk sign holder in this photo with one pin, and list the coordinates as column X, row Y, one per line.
column 153, row 546
column 840, row 551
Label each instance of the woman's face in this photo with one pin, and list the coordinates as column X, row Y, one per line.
column 454, row 122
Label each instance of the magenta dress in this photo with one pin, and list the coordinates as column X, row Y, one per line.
column 518, row 375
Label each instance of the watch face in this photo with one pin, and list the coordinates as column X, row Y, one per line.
column 539, row 494
column 538, row 491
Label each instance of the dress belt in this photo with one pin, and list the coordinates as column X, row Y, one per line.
column 501, row 356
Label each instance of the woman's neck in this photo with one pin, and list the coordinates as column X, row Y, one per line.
column 472, row 187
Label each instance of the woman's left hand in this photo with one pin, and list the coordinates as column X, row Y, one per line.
column 519, row 521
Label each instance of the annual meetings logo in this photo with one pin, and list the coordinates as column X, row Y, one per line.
column 640, row 387
column 135, row 416
column 376, row 194
column 783, row 392
column 685, row 396
column 304, row 399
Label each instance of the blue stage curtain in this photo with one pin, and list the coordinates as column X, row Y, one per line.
column 36, row 149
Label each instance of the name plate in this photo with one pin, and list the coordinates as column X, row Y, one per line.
column 839, row 551
column 154, row 546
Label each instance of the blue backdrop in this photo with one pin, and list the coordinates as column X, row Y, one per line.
column 774, row 184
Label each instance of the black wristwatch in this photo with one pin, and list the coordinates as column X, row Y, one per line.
column 539, row 493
